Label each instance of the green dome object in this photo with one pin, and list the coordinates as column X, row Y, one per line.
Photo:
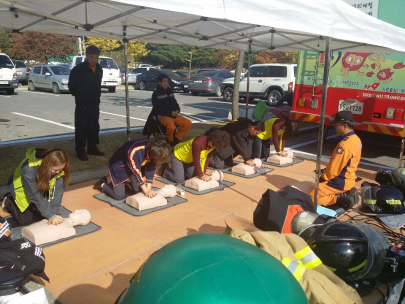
column 260, row 110
column 212, row 268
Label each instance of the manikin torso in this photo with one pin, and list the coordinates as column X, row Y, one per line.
column 246, row 169
column 280, row 160
column 41, row 232
column 200, row 185
column 141, row 202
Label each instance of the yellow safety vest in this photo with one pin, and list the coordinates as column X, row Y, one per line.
column 184, row 153
column 268, row 132
column 21, row 198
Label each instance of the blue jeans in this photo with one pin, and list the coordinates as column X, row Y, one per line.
column 261, row 148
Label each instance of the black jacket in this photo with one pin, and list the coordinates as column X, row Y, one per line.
column 241, row 141
column 85, row 85
column 163, row 102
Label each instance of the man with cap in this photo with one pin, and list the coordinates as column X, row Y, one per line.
column 85, row 86
column 338, row 178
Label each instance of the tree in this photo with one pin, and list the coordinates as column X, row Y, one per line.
column 276, row 57
column 167, row 56
column 228, row 59
column 104, row 44
column 137, row 49
column 40, row 46
column 5, row 41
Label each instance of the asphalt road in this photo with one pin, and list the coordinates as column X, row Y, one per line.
column 26, row 116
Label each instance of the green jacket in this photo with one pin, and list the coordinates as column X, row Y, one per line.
column 23, row 187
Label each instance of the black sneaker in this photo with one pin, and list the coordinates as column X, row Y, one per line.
column 82, row 155
column 98, row 184
column 94, row 151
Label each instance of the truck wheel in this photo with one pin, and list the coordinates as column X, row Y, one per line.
column 142, row 85
column 185, row 91
column 218, row 91
column 10, row 91
column 55, row 89
column 31, row 86
column 274, row 98
column 195, row 93
column 111, row 89
column 228, row 94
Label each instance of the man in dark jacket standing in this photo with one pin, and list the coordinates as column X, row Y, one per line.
column 242, row 132
column 85, row 86
column 168, row 111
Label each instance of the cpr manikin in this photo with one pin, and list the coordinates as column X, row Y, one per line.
column 280, row 160
column 41, row 232
column 141, row 202
column 200, row 185
column 246, row 169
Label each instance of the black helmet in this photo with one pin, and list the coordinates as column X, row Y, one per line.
column 352, row 250
column 381, row 200
column 384, row 177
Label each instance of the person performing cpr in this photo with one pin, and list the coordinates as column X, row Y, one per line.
column 37, row 186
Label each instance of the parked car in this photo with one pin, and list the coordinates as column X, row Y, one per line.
column 148, row 80
column 131, row 77
column 22, row 71
column 8, row 74
column 181, row 74
column 208, row 81
column 145, row 65
column 49, row 77
column 271, row 81
column 140, row 70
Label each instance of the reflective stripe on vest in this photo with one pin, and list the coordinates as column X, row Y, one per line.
column 308, row 258
column 296, row 268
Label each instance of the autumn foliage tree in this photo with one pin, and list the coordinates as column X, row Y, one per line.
column 276, row 57
column 40, row 46
column 104, row 44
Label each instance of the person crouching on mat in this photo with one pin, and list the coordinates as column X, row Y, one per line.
column 279, row 130
column 191, row 158
column 133, row 165
column 37, row 186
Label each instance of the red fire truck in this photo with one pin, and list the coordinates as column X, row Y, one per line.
column 371, row 85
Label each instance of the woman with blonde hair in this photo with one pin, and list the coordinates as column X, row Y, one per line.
column 37, row 186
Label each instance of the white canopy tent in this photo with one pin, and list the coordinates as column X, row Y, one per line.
column 256, row 25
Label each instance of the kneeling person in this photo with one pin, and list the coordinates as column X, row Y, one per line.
column 37, row 186
column 242, row 133
column 338, row 178
column 133, row 165
column 191, row 158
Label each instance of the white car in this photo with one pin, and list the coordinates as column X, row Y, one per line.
column 273, row 82
column 8, row 74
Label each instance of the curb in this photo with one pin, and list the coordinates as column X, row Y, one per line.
column 75, row 177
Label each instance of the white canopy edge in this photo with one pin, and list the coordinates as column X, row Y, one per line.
column 279, row 25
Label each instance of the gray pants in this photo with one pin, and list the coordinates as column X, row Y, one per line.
column 179, row 171
column 122, row 191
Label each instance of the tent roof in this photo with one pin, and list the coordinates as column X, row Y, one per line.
column 278, row 25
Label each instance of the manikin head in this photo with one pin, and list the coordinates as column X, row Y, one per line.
column 80, row 217
column 217, row 175
column 168, row 191
column 257, row 162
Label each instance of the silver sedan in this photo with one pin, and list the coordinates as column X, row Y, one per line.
column 208, row 81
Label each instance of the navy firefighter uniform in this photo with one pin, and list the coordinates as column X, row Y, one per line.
column 131, row 166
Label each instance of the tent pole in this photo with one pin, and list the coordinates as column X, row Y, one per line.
column 322, row 118
column 125, row 40
column 248, row 78
column 402, row 148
